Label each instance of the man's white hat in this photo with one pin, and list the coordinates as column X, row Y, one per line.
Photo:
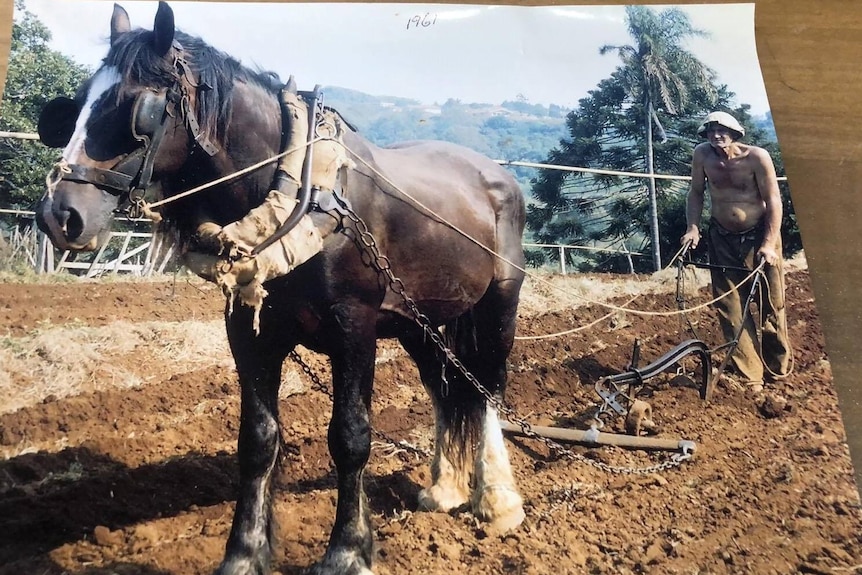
column 722, row 119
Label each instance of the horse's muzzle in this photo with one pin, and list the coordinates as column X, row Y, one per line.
column 75, row 225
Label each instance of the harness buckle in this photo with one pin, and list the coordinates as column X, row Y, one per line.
column 136, row 203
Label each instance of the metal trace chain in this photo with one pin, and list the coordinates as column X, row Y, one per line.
column 318, row 384
column 382, row 264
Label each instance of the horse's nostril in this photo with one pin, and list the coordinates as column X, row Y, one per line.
column 74, row 224
column 62, row 216
column 69, row 221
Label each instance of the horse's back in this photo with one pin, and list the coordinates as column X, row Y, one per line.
column 435, row 157
column 453, row 178
column 431, row 203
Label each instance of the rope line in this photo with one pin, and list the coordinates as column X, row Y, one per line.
column 523, row 270
column 233, row 175
column 574, row 329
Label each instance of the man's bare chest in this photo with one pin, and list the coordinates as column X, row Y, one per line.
column 730, row 175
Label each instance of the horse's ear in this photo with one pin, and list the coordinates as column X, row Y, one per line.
column 163, row 29
column 120, row 23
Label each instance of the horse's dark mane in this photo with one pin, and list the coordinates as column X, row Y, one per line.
column 133, row 55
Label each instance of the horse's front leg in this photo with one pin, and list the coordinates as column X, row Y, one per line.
column 350, row 544
column 259, row 364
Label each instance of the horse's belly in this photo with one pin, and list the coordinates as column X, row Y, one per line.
column 440, row 293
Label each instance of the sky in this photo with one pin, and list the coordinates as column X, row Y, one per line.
column 483, row 54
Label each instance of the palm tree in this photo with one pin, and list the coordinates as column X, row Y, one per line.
column 662, row 76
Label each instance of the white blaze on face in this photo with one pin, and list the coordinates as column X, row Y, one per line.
column 103, row 81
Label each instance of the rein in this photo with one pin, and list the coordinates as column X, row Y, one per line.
column 233, row 175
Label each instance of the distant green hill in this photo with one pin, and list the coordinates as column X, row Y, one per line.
column 512, row 130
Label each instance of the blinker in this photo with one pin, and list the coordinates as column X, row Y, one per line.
column 148, row 114
column 57, row 122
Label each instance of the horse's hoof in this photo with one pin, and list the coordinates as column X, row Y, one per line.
column 437, row 498
column 341, row 563
column 501, row 506
column 241, row 567
column 505, row 523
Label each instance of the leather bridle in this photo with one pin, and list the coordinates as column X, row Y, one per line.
column 130, row 178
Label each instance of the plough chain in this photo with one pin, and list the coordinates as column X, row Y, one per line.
column 381, row 264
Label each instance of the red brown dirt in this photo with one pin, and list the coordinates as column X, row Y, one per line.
column 142, row 481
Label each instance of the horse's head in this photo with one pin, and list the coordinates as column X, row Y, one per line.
column 130, row 126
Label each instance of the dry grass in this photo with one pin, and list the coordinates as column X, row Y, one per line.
column 63, row 361
column 67, row 360
column 545, row 292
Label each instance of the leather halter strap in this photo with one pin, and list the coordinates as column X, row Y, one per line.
column 116, row 183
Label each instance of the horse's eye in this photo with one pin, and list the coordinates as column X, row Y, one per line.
column 109, row 132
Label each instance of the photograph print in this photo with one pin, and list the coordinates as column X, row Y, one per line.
column 406, row 288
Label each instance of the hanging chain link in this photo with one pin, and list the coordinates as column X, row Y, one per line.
column 318, row 385
column 382, row 265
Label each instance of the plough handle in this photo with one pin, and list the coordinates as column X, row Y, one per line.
column 667, row 360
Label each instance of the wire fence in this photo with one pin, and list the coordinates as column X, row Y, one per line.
column 601, row 171
column 143, row 253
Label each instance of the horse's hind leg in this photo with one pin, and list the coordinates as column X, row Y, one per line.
column 470, row 459
column 249, row 546
column 452, row 466
column 495, row 497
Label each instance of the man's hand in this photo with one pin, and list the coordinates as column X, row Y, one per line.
column 768, row 254
column 691, row 238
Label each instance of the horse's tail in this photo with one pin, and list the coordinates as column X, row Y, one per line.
column 461, row 405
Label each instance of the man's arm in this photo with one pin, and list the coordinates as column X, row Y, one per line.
column 767, row 184
column 694, row 201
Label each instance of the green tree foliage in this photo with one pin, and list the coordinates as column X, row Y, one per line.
column 609, row 131
column 36, row 75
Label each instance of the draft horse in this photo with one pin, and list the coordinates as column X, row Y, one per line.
column 212, row 117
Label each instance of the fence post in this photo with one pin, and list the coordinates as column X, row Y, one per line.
column 91, row 271
column 126, row 240
column 629, row 258
column 563, row 260
column 45, row 255
column 152, row 255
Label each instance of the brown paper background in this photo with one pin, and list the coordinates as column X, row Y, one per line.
column 811, row 57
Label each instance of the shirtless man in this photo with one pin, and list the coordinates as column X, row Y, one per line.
column 744, row 227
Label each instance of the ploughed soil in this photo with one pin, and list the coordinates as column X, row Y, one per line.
column 138, row 476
